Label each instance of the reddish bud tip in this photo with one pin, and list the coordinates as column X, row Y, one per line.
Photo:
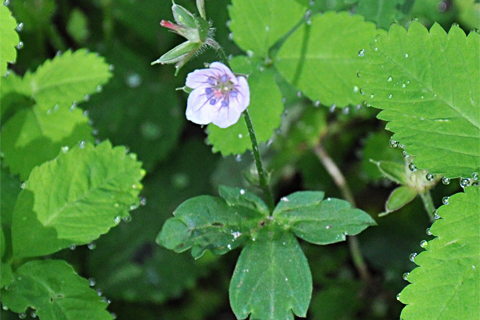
column 169, row 25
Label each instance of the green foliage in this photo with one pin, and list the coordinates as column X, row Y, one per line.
column 426, row 84
column 9, row 37
column 90, row 189
column 272, row 272
column 322, row 58
column 36, row 134
column 446, row 284
column 383, row 13
column 54, row 291
column 320, row 221
column 257, row 25
column 272, row 279
column 265, row 110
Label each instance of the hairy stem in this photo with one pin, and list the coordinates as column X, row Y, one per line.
column 428, row 204
column 262, row 176
column 341, row 183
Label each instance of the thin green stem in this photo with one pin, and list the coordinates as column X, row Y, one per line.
column 341, row 183
column 428, row 204
column 262, row 176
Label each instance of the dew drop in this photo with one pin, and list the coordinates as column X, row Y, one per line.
column 285, row 199
column 464, row 182
column 346, row 110
column 267, row 28
column 393, row 143
column 242, row 191
column 406, row 55
column 436, row 216
column 445, row 180
column 86, row 97
column 117, row 220
column 22, row 186
column 250, row 53
column 64, row 149
column 230, row 36
column 428, row 232
column 398, row 297
column 143, row 201
column 475, row 176
column 99, row 292
column 389, row 79
column 423, row 243
column 332, row 108
column 430, row 177
column 390, row 96
column 4, row 307
column 316, row 103
column 446, row 200
column 19, row 27
column 91, row 282
column 240, row 136
column 238, row 158
column 72, row 247
column 99, row 88
column 299, row 94
column 134, row 80
column 328, row 227
column 91, row 245
column 413, row 256
column 405, row 154
column 405, row 276
column 361, row 53
column 307, row 15
column 33, row 314
column 229, row 246
column 412, row 167
column 20, row 45
column 82, row 144
column 22, row 315
column 111, row 67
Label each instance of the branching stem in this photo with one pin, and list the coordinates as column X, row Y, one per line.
column 341, row 183
column 428, row 204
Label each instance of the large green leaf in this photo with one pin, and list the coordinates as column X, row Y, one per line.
column 319, row 220
column 74, row 199
column 10, row 187
column 427, row 85
column 209, row 223
column 383, row 12
column 35, row 135
column 265, row 110
column 272, row 279
column 322, row 59
column 446, row 285
column 9, row 37
column 67, row 78
column 54, row 291
column 257, row 25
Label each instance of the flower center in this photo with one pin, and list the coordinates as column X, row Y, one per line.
column 221, row 90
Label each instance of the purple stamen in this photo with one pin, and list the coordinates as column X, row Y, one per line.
column 213, row 101
column 233, row 94
column 224, row 103
column 211, row 81
column 208, row 90
column 224, row 78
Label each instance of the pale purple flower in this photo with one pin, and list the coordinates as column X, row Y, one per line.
column 218, row 96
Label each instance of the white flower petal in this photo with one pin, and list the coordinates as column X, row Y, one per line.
column 199, row 78
column 225, row 117
column 242, row 100
column 222, row 69
column 198, row 107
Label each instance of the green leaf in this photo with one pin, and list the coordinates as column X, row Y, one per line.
column 257, row 25
column 240, row 197
column 322, row 59
column 265, row 110
column 10, row 187
column 208, row 223
column 75, row 198
column 54, row 291
column 69, row 77
column 382, row 13
column 9, row 37
column 446, row 285
column 35, row 135
column 399, row 198
column 272, row 279
column 377, row 148
column 6, row 275
column 320, row 221
column 426, row 84
column 394, row 171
